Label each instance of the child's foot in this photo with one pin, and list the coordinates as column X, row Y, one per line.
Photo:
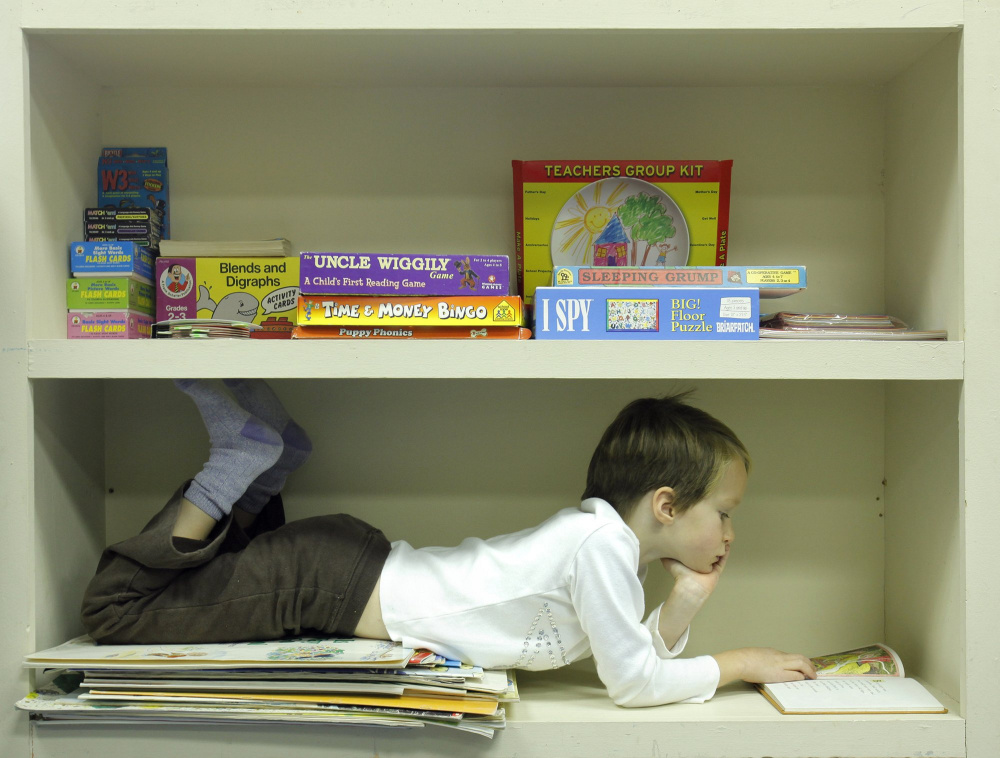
column 257, row 397
column 243, row 448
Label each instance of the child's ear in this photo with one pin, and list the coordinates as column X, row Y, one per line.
column 663, row 506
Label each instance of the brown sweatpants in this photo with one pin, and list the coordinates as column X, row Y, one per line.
column 272, row 581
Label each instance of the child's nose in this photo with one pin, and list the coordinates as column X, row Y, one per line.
column 730, row 535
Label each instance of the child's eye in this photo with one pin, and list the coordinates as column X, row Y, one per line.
column 724, row 514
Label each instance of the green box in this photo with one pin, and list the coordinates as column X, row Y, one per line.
column 102, row 293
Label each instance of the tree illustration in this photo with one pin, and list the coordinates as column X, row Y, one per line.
column 655, row 229
column 648, row 221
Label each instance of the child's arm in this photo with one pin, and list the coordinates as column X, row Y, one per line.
column 691, row 590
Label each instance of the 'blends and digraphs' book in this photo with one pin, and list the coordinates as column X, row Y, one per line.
column 618, row 213
column 403, row 274
column 254, row 290
column 646, row 313
column 865, row 680
column 772, row 281
column 375, row 310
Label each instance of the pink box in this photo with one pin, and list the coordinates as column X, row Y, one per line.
column 110, row 324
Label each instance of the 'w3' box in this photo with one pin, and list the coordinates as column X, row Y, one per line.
column 646, row 313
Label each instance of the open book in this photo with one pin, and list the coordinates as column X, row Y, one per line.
column 865, row 680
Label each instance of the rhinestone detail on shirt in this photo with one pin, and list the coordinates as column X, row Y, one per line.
column 539, row 640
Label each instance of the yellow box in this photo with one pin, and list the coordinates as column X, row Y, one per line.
column 381, row 310
column 253, row 290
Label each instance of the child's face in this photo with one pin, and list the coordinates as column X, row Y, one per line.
column 703, row 533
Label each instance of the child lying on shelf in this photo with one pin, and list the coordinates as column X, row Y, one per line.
column 219, row 564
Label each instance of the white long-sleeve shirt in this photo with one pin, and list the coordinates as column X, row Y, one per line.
column 542, row 598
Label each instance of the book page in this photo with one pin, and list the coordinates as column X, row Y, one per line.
column 853, row 695
column 875, row 660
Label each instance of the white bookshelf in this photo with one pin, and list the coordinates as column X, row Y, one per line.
column 863, row 140
column 68, row 359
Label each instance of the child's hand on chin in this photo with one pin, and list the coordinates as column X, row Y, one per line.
column 696, row 581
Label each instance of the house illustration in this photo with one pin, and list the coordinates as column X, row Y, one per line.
column 611, row 248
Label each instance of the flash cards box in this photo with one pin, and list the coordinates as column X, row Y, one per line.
column 646, row 313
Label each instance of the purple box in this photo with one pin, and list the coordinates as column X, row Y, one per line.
column 403, row 274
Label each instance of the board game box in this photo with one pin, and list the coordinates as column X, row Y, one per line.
column 646, row 313
column 411, row 333
column 234, row 289
column 772, row 281
column 403, row 274
column 377, row 310
column 618, row 213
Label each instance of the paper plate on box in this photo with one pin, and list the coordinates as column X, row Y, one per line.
column 620, row 221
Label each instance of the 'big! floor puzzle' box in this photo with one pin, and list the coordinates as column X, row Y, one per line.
column 618, row 213
column 253, row 290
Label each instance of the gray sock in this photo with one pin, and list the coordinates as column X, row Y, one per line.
column 243, row 447
column 256, row 396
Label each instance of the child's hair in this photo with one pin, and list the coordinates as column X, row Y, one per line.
column 661, row 442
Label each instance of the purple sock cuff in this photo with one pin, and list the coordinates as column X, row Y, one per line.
column 295, row 436
column 256, row 430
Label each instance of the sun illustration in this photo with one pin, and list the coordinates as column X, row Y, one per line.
column 584, row 217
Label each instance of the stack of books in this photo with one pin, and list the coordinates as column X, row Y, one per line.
column 303, row 680
column 109, row 294
column 659, row 303
column 407, row 296
column 226, row 248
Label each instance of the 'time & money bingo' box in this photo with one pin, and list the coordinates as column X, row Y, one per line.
column 618, row 213
column 236, row 289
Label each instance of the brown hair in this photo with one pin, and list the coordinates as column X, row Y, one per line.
column 661, row 442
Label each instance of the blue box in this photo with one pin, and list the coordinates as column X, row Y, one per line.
column 646, row 313
column 111, row 259
column 135, row 177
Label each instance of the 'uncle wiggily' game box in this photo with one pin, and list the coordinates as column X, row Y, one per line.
column 618, row 213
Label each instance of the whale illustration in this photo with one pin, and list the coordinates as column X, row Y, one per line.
column 236, row 306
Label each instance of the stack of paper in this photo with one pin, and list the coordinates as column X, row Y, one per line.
column 225, row 249
column 204, row 328
column 841, row 326
column 315, row 680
